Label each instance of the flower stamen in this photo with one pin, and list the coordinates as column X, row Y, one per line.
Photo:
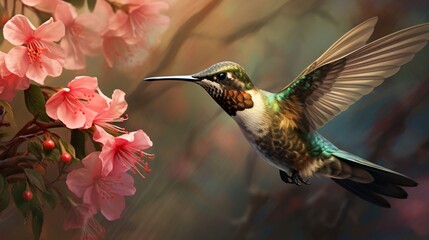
column 35, row 49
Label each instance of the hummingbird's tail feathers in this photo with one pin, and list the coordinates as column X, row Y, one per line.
column 375, row 170
column 385, row 182
column 363, row 192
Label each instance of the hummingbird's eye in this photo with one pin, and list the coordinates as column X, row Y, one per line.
column 221, row 76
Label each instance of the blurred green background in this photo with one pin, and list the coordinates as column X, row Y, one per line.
column 207, row 183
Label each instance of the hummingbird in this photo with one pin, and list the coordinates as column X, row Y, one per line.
column 282, row 126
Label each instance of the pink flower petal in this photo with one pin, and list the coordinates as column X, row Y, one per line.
column 117, row 24
column 50, row 31
column 109, row 50
column 112, row 208
column 36, row 73
column 126, row 186
column 78, row 181
column 108, row 157
column 52, row 66
column 101, row 136
column 117, row 107
column 43, row 5
column 75, row 59
column 142, row 140
column 18, row 29
column 53, row 103
column 83, row 82
column 16, row 61
column 92, row 21
column 97, row 104
column 126, row 138
column 31, row 3
column 91, row 197
column 72, row 118
column 54, row 51
column 10, row 84
column 66, row 13
column 104, row 12
column 92, row 163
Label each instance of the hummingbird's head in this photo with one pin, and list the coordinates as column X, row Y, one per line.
column 224, row 75
column 226, row 82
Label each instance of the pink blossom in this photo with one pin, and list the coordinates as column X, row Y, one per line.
column 82, row 35
column 103, row 191
column 43, row 5
column 116, row 50
column 124, row 152
column 113, row 113
column 9, row 82
column 82, row 216
column 133, row 32
column 35, row 55
column 78, row 104
column 145, row 21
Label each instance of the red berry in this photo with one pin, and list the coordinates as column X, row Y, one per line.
column 48, row 145
column 27, row 195
column 66, row 157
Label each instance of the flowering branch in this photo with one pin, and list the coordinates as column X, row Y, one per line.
column 40, row 164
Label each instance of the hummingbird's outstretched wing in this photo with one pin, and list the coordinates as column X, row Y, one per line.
column 349, row 69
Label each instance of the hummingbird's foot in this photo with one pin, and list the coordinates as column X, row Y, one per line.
column 294, row 179
column 297, row 179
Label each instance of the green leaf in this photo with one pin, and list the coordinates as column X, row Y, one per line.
column 35, row 102
column 6, row 117
column 54, row 154
column 35, row 147
column 91, row 4
column 37, row 222
column 51, row 198
column 4, row 193
column 17, row 190
column 77, row 139
column 36, row 179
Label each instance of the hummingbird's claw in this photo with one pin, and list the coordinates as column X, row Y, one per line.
column 297, row 179
column 294, row 179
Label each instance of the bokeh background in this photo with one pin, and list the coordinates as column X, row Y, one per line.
column 207, row 183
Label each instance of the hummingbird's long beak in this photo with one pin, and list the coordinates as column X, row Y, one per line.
column 187, row 78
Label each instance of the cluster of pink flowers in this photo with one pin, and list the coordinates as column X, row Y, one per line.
column 103, row 181
column 123, row 30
